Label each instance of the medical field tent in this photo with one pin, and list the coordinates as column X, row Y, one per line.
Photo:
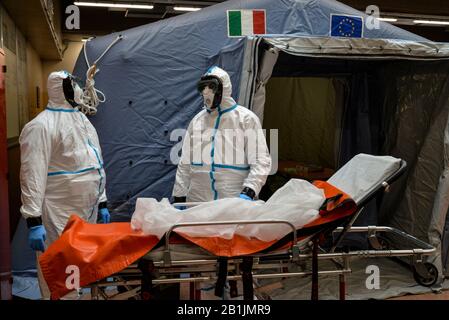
column 333, row 81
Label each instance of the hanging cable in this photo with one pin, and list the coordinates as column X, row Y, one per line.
column 92, row 97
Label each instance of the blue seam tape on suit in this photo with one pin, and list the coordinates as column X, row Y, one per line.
column 212, row 152
column 61, row 110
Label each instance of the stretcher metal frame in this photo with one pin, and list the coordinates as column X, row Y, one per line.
column 140, row 280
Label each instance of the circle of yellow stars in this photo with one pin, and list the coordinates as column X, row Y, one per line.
column 348, row 23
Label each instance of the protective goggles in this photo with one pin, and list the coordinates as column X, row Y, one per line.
column 75, row 80
column 210, row 82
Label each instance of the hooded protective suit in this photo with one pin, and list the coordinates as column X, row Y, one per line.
column 61, row 164
column 224, row 151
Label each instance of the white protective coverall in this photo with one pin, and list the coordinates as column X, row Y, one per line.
column 224, row 150
column 61, row 170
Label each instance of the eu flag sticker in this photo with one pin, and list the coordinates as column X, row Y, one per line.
column 346, row 26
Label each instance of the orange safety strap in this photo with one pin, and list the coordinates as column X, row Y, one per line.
column 94, row 250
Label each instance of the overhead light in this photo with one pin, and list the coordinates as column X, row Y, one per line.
column 388, row 19
column 186, row 9
column 435, row 22
column 114, row 5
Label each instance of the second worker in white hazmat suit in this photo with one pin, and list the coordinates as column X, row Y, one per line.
column 224, row 152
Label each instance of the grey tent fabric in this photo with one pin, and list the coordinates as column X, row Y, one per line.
column 445, row 247
column 439, row 222
column 266, row 68
column 360, row 48
column 418, row 112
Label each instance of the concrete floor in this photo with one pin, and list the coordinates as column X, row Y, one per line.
column 444, row 295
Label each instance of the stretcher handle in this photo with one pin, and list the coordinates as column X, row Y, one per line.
column 218, row 223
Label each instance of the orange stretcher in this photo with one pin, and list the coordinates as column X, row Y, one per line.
column 113, row 255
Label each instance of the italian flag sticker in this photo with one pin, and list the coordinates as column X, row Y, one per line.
column 246, row 22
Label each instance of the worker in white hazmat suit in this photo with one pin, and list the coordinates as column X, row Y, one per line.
column 224, row 152
column 61, row 170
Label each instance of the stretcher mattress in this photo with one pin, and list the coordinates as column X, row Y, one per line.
column 363, row 173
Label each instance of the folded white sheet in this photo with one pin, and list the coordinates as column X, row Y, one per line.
column 297, row 202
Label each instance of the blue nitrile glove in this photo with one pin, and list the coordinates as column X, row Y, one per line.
column 180, row 200
column 180, row 207
column 247, row 194
column 245, row 197
column 36, row 238
column 104, row 216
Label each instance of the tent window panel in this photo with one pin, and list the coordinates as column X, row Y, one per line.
column 306, row 111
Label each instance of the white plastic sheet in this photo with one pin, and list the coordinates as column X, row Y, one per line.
column 297, row 202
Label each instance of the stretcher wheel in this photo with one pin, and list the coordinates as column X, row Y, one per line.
column 430, row 278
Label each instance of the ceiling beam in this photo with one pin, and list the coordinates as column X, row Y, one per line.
column 34, row 21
